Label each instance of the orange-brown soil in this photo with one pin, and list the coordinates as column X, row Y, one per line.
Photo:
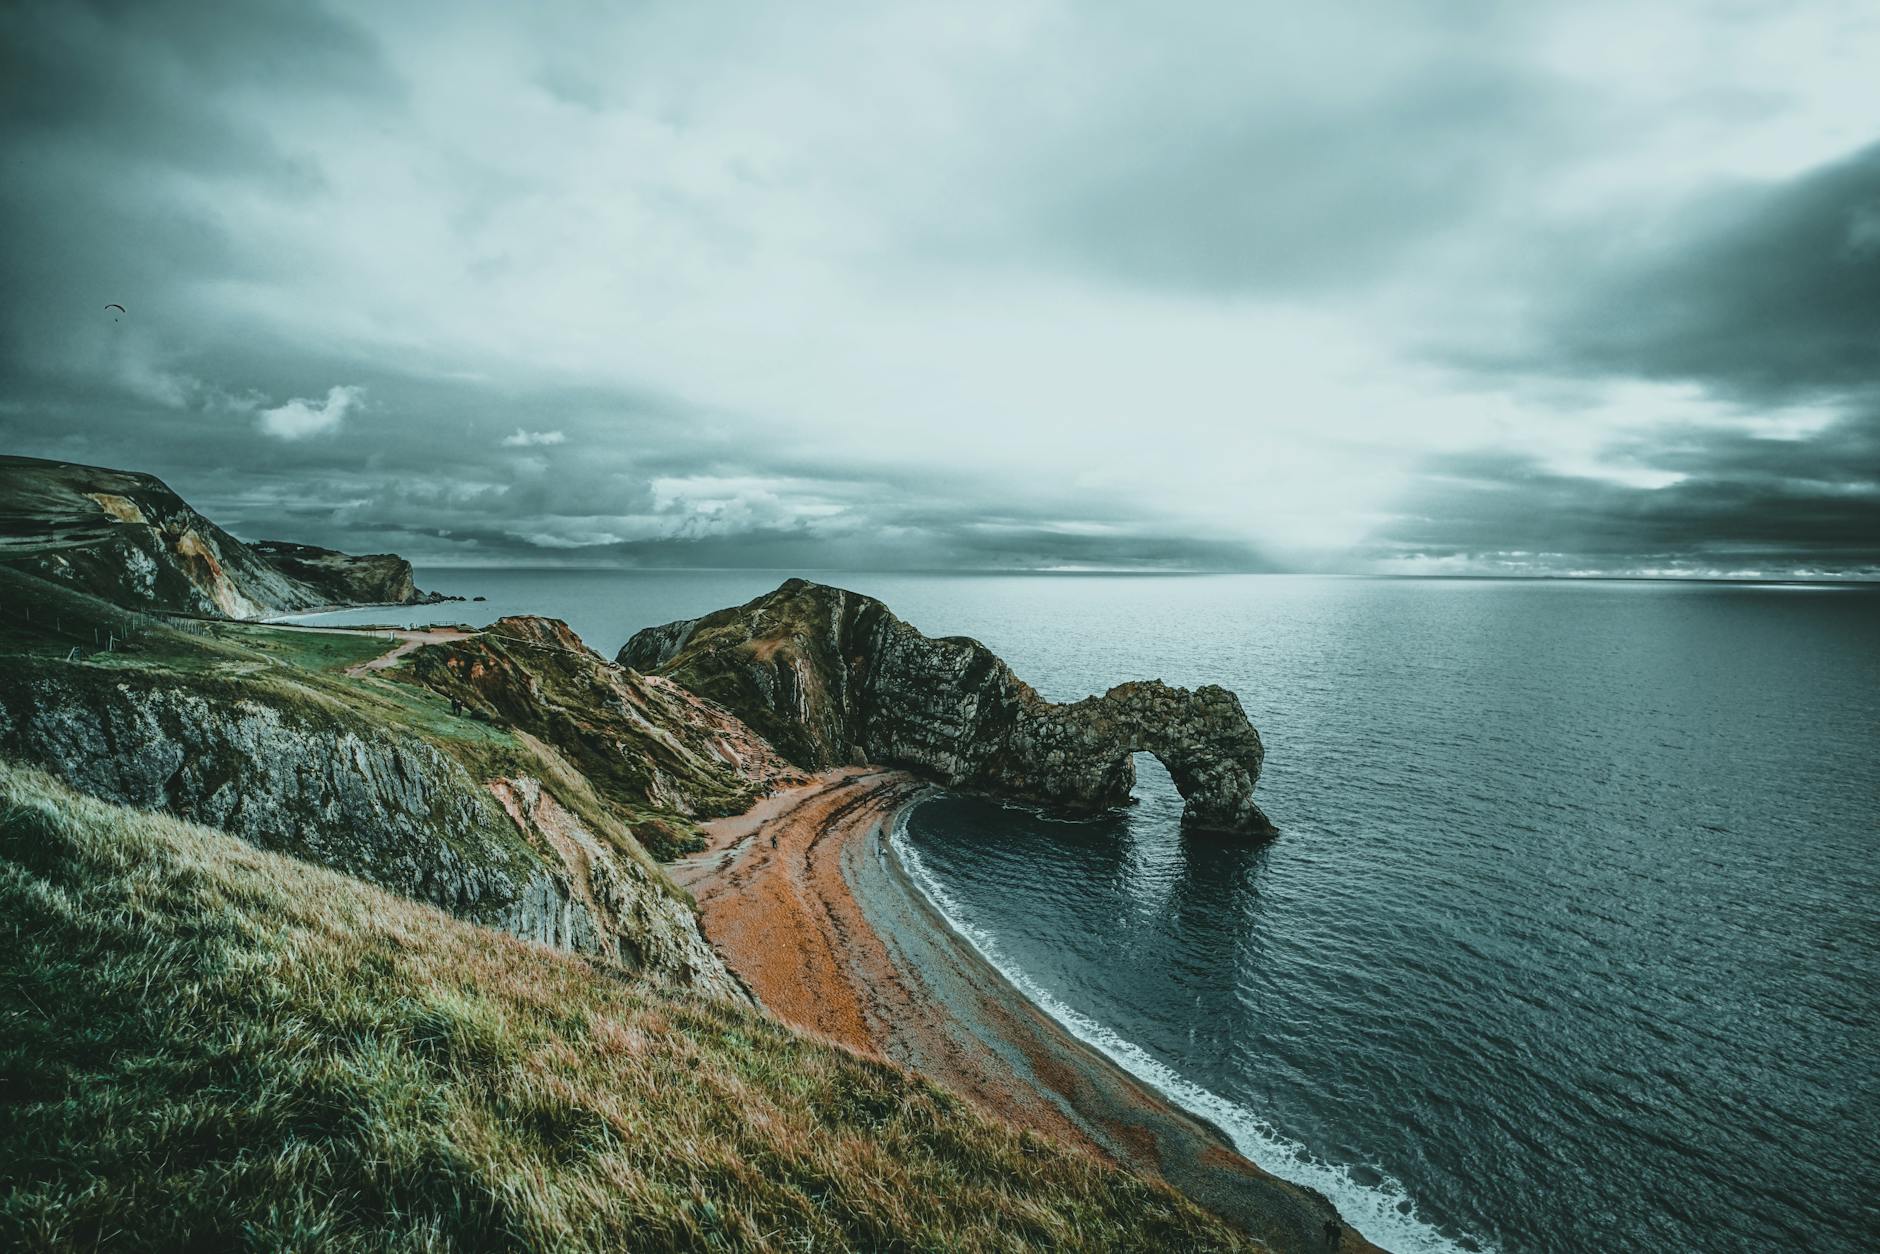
column 807, row 901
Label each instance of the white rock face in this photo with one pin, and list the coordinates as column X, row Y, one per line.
column 605, row 902
column 393, row 810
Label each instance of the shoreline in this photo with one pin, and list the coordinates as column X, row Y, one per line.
column 809, row 904
column 277, row 620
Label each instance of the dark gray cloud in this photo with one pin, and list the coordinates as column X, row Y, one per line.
column 1764, row 292
column 1262, row 196
column 1744, row 504
column 996, row 285
column 1763, row 297
column 136, row 87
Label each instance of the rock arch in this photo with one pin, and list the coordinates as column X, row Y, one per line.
column 830, row 677
column 1202, row 736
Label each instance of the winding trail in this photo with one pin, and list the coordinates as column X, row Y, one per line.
column 409, row 638
column 810, row 906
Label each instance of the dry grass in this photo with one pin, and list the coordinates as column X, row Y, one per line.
column 305, row 673
column 204, row 1046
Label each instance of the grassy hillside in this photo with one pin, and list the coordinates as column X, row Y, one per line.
column 128, row 538
column 303, row 672
column 206, row 1046
column 275, row 736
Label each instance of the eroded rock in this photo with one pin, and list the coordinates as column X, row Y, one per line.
column 642, row 740
column 318, row 783
column 128, row 538
column 831, row 677
column 346, row 578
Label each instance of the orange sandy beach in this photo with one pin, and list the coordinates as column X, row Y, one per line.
column 807, row 901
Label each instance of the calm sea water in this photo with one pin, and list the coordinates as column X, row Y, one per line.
column 1571, row 940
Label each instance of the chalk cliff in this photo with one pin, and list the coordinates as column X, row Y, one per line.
column 832, row 677
column 127, row 538
column 346, row 578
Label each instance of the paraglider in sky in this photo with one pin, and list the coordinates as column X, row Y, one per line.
column 119, row 308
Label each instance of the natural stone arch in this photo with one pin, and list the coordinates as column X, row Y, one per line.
column 830, row 678
column 1201, row 737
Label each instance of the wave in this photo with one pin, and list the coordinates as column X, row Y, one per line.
column 1384, row 1212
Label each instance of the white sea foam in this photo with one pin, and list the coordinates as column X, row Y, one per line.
column 1383, row 1212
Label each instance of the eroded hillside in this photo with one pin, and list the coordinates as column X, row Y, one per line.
column 298, row 741
column 207, row 1046
column 129, row 539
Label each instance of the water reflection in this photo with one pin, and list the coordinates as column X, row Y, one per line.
column 1220, row 882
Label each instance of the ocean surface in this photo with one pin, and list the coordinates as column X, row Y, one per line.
column 1571, row 940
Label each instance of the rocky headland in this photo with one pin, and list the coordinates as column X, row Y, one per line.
column 517, row 780
column 834, row 678
column 276, row 746
column 637, row 737
column 129, row 539
column 346, row 578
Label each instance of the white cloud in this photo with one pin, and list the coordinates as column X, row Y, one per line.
column 568, row 539
column 530, row 439
column 302, row 417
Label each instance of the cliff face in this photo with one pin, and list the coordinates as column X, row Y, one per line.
column 130, row 540
column 640, row 738
column 830, row 677
column 345, row 579
column 315, row 780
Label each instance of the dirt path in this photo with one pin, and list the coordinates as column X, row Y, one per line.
column 410, row 641
column 409, row 638
column 810, row 905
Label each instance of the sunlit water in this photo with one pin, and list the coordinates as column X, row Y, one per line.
column 1570, row 941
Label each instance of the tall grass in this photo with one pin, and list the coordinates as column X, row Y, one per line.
column 204, row 1046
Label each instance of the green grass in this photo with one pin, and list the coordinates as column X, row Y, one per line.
column 204, row 1046
column 41, row 621
column 308, row 650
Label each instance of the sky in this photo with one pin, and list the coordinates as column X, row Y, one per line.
column 1446, row 287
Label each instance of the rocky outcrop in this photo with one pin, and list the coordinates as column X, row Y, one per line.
column 641, row 739
column 344, row 578
column 130, row 540
column 831, row 677
column 612, row 906
column 320, row 783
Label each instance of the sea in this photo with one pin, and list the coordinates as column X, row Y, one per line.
column 1570, row 939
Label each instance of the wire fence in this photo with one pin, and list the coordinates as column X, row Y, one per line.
column 75, row 632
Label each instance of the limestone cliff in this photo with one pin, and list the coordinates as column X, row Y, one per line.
column 345, row 578
column 832, row 677
column 641, row 739
column 315, row 779
column 129, row 539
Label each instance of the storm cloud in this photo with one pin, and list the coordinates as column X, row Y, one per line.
column 1475, row 288
column 1766, row 292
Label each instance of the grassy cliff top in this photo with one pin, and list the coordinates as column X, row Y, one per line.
column 206, row 1046
column 310, row 673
